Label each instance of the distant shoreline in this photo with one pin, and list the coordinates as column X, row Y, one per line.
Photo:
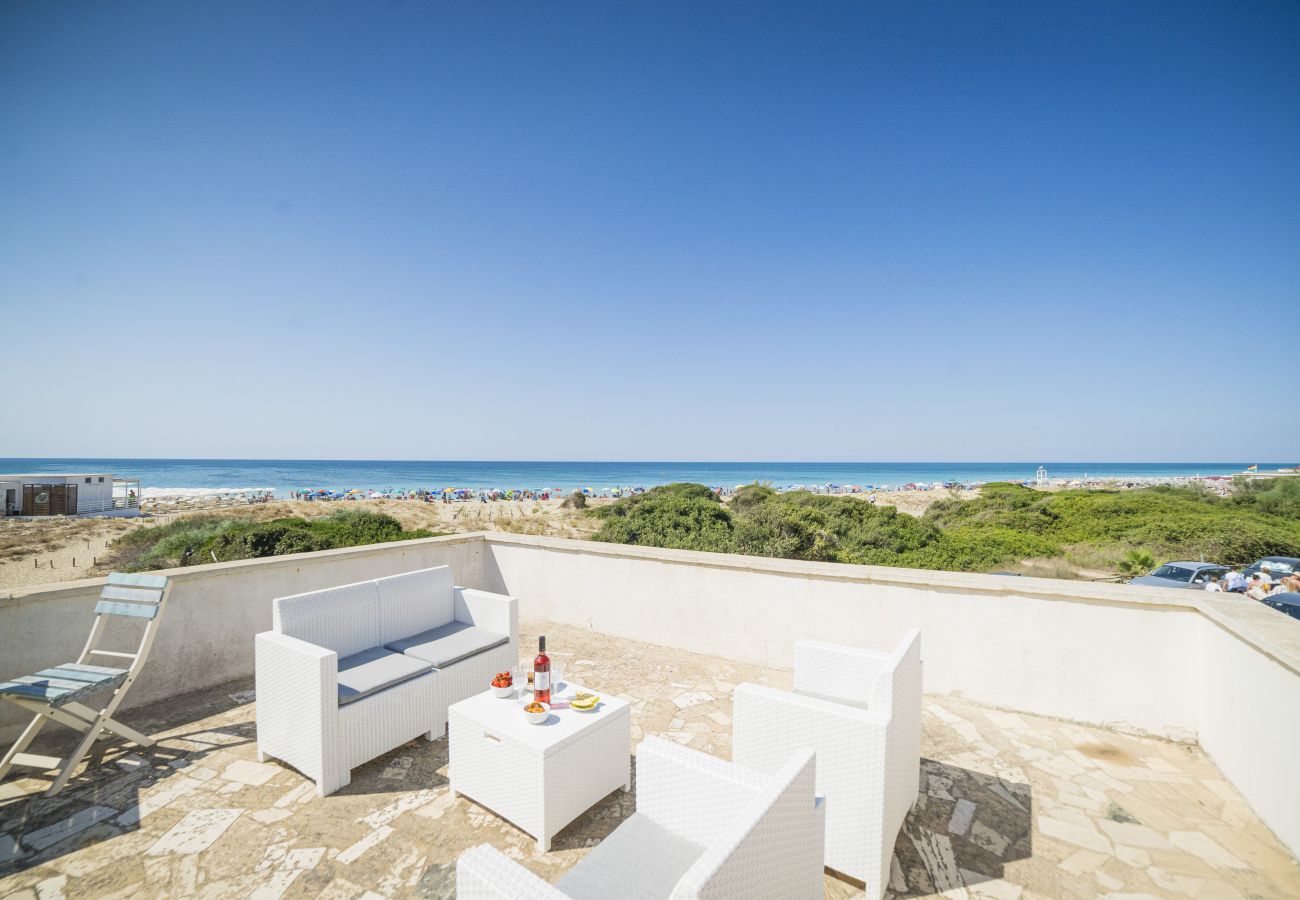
column 191, row 477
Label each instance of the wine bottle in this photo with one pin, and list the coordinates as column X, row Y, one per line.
column 542, row 673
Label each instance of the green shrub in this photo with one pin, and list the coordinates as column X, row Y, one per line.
column 749, row 496
column 227, row 538
column 1005, row 524
column 1135, row 563
column 683, row 520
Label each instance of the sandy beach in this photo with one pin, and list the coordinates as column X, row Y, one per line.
column 55, row 549
column 41, row 551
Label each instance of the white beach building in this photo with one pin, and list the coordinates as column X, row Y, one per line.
column 45, row 494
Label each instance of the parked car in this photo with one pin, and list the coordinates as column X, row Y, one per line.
column 1288, row 603
column 1278, row 566
column 1191, row 575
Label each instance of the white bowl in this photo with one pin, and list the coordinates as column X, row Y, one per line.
column 502, row 691
column 535, row 718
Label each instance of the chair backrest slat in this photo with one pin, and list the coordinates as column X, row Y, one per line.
column 142, row 610
column 131, row 595
column 157, row 582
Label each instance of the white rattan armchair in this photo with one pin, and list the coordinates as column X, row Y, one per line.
column 861, row 712
column 703, row 828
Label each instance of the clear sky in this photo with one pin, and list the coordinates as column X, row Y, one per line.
column 798, row 231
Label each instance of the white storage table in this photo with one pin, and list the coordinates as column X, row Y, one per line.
column 539, row 777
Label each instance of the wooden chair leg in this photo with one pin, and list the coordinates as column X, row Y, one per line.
column 29, row 733
column 129, row 733
column 110, row 727
column 74, row 760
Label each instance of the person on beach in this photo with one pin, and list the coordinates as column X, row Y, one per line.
column 1266, row 574
column 1235, row 582
column 1258, row 590
column 1213, row 586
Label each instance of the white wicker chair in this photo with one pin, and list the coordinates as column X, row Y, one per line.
column 703, row 828
column 348, row 673
column 861, row 712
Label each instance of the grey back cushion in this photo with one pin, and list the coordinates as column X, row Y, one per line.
column 448, row 644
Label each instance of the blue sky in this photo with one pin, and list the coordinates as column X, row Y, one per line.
column 936, row 231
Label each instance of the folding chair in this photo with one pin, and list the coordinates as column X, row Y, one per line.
column 57, row 693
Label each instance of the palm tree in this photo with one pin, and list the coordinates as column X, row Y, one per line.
column 1135, row 563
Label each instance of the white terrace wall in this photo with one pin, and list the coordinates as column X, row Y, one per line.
column 1180, row 664
column 206, row 635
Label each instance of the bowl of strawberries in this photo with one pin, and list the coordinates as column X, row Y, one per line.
column 503, row 685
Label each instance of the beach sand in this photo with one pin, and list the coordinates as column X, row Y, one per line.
column 43, row 551
column 39, row 551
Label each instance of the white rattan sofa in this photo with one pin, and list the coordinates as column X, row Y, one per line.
column 702, row 828
column 861, row 712
column 348, row 673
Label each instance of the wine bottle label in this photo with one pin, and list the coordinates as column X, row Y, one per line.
column 542, row 681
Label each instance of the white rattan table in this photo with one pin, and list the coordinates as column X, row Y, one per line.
column 539, row 777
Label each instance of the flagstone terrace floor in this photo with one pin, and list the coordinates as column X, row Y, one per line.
column 1011, row 805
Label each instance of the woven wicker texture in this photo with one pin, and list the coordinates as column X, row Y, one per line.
column 299, row 719
column 768, row 846
column 472, row 676
column 525, row 783
column 639, row 861
column 868, row 760
column 771, row 849
column 344, row 619
column 691, row 793
column 297, row 706
column 373, row 725
column 840, row 673
column 414, row 602
column 485, row 873
column 486, row 610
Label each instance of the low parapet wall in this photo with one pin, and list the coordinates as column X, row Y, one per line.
column 206, row 635
column 1178, row 664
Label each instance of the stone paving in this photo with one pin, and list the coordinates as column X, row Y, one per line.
column 1012, row 805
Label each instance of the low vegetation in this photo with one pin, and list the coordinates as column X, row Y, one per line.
column 1007, row 525
column 192, row 540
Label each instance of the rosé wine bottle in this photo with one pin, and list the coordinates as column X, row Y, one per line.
column 542, row 673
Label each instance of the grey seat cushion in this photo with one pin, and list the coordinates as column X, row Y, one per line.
column 370, row 671
column 448, row 644
column 639, row 861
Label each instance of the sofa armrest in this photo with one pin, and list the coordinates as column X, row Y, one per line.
column 495, row 612
column 485, row 873
column 831, row 670
column 692, row 794
column 297, row 702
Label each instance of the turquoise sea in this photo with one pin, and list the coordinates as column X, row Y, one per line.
column 285, row 475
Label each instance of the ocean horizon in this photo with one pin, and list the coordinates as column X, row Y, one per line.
column 286, row 475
